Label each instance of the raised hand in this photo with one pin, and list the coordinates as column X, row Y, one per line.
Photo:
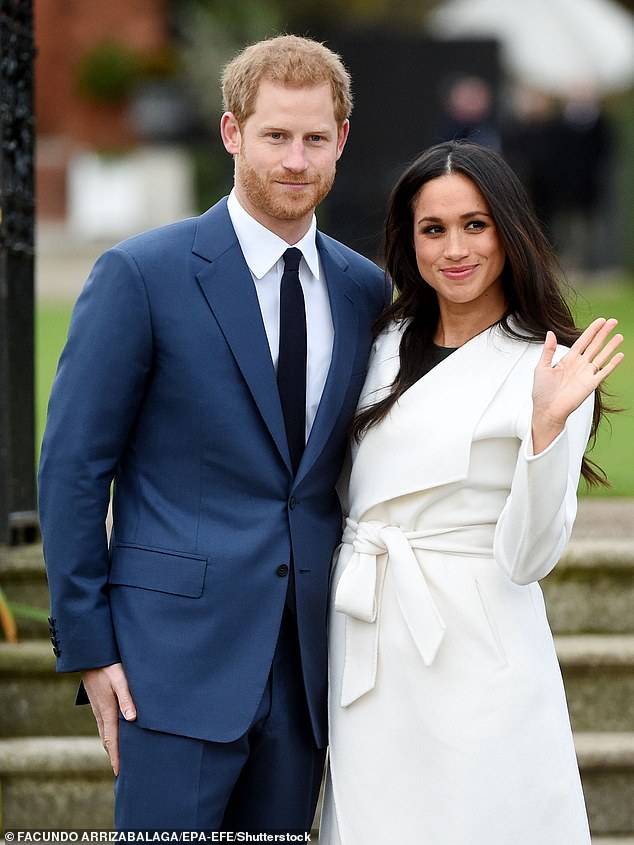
column 559, row 389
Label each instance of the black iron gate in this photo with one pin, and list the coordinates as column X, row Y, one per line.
column 18, row 517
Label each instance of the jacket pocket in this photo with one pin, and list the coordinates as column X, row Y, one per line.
column 151, row 569
column 491, row 623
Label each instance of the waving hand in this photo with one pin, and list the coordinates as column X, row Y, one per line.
column 560, row 388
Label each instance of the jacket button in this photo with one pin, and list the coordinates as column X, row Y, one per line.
column 282, row 570
column 292, row 502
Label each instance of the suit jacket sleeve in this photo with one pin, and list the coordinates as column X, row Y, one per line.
column 96, row 396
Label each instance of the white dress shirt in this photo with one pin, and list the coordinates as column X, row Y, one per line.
column 263, row 252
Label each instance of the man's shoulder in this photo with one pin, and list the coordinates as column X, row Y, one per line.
column 349, row 258
column 370, row 279
column 347, row 252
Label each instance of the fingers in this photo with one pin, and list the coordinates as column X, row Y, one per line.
column 596, row 348
column 548, row 350
column 605, row 354
column 121, row 690
column 110, row 738
column 601, row 349
column 593, row 338
column 612, row 364
column 108, row 691
column 587, row 336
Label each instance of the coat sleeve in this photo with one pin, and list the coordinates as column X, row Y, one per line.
column 97, row 392
column 536, row 522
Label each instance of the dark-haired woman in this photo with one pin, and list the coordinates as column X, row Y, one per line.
column 448, row 717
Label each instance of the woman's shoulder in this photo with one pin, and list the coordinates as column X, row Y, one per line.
column 394, row 328
column 387, row 342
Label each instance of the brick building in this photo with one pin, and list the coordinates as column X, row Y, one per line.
column 67, row 34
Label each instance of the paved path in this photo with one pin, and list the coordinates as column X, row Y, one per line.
column 604, row 517
column 61, row 263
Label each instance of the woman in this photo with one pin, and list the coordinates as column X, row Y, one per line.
column 448, row 717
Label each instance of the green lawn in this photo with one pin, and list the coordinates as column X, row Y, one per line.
column 614, row 450
column 615, row 446
column 51, row 327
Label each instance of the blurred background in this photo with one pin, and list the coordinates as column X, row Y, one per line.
column 128, row 107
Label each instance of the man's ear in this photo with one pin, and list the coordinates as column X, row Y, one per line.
column 230, row 133
column 342, row 137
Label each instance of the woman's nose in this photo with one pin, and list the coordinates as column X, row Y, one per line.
column 455, row 245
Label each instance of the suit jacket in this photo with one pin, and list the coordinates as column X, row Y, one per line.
column 166, row 387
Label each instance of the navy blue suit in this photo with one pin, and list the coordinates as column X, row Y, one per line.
column 166, row 385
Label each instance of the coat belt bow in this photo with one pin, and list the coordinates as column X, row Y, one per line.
column 356, row 596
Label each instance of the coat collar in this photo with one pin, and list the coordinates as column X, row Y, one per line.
column 228, row 287
column 425, row 441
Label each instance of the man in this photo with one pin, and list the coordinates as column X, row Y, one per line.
column 200, row 631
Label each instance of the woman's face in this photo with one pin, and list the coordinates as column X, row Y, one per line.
column 458, row 250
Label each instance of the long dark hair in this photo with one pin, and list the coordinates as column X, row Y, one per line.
column 531, row 279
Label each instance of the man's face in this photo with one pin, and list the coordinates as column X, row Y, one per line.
column 285, row 155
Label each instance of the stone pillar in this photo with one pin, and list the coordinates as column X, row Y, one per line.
column 18, row 517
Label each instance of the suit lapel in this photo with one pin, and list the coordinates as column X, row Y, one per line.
column 229, row 290
column 345, row 319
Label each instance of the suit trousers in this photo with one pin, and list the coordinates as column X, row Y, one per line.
column 266, row 780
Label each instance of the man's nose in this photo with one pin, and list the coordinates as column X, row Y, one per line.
column 295, row 158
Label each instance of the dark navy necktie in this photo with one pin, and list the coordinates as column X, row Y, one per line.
column 291, row 365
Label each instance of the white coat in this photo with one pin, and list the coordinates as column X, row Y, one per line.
column 448, row 718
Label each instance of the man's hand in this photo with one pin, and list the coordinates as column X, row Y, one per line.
column 108, row 692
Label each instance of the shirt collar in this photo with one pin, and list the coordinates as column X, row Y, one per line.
column 261, row 248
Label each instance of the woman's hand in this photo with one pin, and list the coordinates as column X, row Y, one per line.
column 558, row 390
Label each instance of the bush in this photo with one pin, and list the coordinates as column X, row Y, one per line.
column 108, row 72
